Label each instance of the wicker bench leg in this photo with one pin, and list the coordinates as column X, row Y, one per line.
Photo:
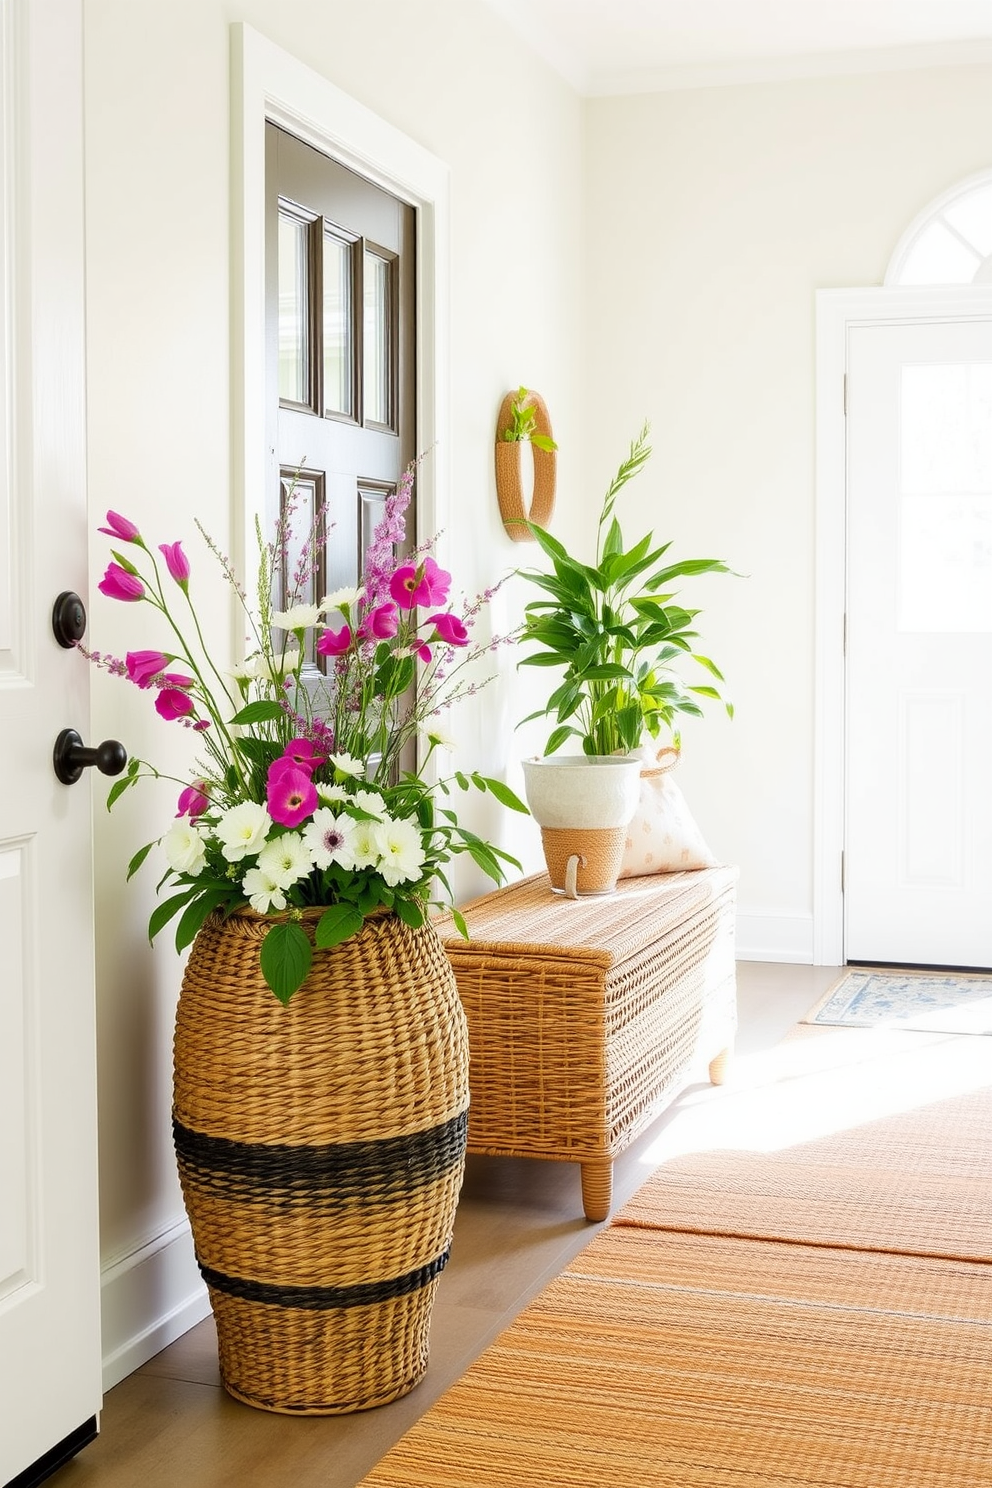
column 597, row 1188
column 719, row 1066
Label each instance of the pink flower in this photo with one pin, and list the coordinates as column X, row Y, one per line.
column 421, row 649
column 290, row 795
column 176, row 679
column 173, row 703
column 334, row 642
column 201, row 725
column 380, row 623
column 144, row 666
column 301, row 753
column 193, row 801
column 120, row 527
column 176, row 562
column 449, row 628
column 426, row 585
column 117, row 583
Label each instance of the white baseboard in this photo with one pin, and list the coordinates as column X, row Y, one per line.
column 785, row 937
column 149, row 1298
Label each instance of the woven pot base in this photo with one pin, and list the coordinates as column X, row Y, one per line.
column 321, row 1150
column 599, row 851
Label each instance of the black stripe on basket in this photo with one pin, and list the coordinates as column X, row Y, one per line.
column 323, row 1298
column 338, row 1173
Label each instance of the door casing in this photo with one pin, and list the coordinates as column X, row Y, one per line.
column 270, row 84
column 837, row 311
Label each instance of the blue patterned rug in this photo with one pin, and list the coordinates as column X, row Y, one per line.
column 925, row 1001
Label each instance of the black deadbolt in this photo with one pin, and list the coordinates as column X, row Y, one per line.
column 68, row 619
column 71, row 757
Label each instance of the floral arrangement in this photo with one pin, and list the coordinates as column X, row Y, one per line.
column 302, row 795
column 619, row 635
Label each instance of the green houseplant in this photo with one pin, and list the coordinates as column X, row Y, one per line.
column 617, row 631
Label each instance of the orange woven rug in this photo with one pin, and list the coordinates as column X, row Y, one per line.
column 810, row 1310
column 683, row 1361
column 876, row 1142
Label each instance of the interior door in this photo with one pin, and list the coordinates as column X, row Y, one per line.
column 918, row 851
column 49, row 1255
column 340, row 322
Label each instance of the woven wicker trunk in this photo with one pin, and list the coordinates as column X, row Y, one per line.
column 321, row 1149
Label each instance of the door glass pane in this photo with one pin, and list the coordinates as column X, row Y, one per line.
column 945, row 528
column 339, row 396
column 377, row 368
column 292, row 309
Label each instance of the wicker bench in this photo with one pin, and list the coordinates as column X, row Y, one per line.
column 588, row 1016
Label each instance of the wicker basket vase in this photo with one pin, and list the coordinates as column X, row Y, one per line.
column 321, row 1150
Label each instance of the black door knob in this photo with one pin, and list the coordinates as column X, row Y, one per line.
column 71, row 757
column 68, row 619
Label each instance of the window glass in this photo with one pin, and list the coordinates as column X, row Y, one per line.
column 292, row 309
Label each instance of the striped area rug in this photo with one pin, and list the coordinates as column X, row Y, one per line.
column 690, row 1345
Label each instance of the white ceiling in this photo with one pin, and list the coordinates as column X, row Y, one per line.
column 604, row 47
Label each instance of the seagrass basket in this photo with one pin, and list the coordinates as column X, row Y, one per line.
column 321, row 1150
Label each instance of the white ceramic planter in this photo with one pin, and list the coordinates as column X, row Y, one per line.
column 583, row 803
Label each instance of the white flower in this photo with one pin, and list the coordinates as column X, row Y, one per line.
column 298, row 617
column 402, row 850
column 332, row 795
column 347, row 764
column 184, row 848
column 257, row 668
column 285, row 859
column 262, row 890
column 365, row 849
column 370, row 801
column 328, row 838
column 242, row 830
column 438, row 738
column 339, row 599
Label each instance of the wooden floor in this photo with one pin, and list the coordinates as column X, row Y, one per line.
column 171, row 1425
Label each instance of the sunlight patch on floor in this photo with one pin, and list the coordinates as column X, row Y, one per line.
column 819, row 1081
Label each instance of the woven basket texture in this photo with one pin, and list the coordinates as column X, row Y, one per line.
column 321, row 1151
column 585, row 1015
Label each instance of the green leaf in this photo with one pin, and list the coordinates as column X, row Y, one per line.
column 337, row 924
column 558, row 737
column 163, row 913
column 263, row 711
column 196, row 912
column 410, row 912
column 138, row 859
column 504, row 795
column 459, row 920
column 285, row 959
column 119, row 787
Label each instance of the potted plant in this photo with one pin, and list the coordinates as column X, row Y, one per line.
column 617, row 632
column 321, row 1061
column 524, row 423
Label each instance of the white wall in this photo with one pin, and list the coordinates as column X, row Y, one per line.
column 160, row 396
column 713, row 216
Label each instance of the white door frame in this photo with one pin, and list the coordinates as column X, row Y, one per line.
column 837, row 312
column 268, row 84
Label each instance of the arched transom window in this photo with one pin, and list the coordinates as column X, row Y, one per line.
column 951, row 241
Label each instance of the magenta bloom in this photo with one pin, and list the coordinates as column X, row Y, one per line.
column 121, row 528
column 449, row 628
column 421, row 649
column 193, row 800
column 380, row 623
column 426, row 585
column 334, row 642
column 302, row 754
column 176, row 679
column 173, row 703
column 290, row 795
column 144, row 666
column 117, row 583
column 176, row 562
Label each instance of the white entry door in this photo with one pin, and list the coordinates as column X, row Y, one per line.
column 49, row 1255
column 918, row 850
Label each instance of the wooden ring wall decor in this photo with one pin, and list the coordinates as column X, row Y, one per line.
column 513, row 508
